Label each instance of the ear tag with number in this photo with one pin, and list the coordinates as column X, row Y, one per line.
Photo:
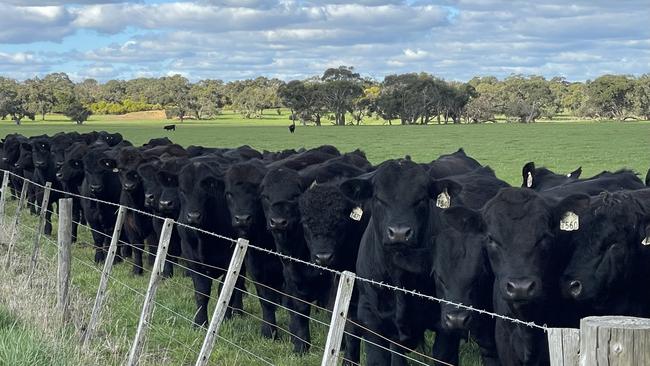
column 115, row 170
column 356, row 214
column 529, row 180
column 570, row 222
column 646, row 241
column 443, row 201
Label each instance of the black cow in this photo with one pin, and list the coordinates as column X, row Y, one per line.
column 280, row 190
column 242, row 189
column 45, row 171
column 10, row 155
column 71, row 175
column 452, row 164
column 103, row 185
column 169, row 127
column 611, row 256
column 542, row 178
column 397, row 248
column 203, row 205
column 462, row 272
column 111, row 139
column 158, row 141
column 25, row 164
column 310, row 157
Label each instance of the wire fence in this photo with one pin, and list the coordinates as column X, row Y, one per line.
column 190, row 266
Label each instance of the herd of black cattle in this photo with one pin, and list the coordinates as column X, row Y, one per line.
column 551, row 252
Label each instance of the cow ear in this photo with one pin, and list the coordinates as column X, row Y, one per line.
column 147, row 170
column 444, row 191
column 528, row 174
column 357, row 189
column 212, row 185
column 26, row 146
column 567, row 213
column 576, row 173
column 108, row 164
column 464, row 219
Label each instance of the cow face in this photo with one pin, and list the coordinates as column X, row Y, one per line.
column 111, row 139
column 326, row 223
column 25, row 159
column 95, row 173
column 151, row 187
column 125, row 163
column 57, row 149
column 41, row 152
column 280, row 190
column 542, row 178
column 461, row 269
column 71, row 172
column 242, row 190
column 199, row 184
column 606, row 249
column 523, row 237
column 400, row 193
column 11, row 149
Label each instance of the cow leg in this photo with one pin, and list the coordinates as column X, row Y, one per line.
column 98, row 241
column 138, row 266
column 31, row 198
column 445, row 348
column 299, row 326
column 375, row 354
column 269, row 326
column 47, row 229
column 202, row 289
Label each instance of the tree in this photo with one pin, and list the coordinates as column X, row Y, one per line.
column 610, row 96
column 341, row 86
column 88, row 91
column 40, row 96
column 209, row 98
column 527, row 98
column 365, row 104
column 62, row 88
column 641, row 99
column 77, row 112
column 179, row 101
column 13, row 101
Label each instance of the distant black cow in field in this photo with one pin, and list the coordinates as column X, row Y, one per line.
column 292, row 128
column 170, row 128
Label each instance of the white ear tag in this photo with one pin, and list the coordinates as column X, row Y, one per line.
column 568, row 175
column 356, row 214
column 570, row 222
column 529, row 180
column 313, row 184
column 115, row 170
column 646, row 241
column 443, row 201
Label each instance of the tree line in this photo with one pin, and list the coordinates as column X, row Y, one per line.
column 339, row 96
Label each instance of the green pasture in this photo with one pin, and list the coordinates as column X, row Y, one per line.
column 561, row 146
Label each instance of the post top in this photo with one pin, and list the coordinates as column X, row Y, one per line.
column 616, row 322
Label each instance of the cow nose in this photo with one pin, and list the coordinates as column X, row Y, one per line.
column 17, row 165
column 458, row 320
column 128, row 186
column 575, row 288
column 166, row 204
column 5, row 159
column 193, row 217
column 148, row 198
column 278, row 223
column 522, row 289
column 59, row 175
column 96, row 187
column 399, row 234
column 59, row 164
column 242, row 220
column 39, row 164
column 324, row 259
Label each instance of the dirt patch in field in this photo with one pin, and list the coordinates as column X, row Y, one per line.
column 160, row 114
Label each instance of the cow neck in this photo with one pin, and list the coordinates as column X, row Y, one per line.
column 296, row 239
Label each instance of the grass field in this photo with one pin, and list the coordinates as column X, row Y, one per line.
column 505, row 147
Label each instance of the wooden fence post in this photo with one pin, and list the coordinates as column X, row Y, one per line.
column 103, row 281
column 223, row 301
column 154, row 281
column 64, row 239
column 564, row 346
column 14, row 228
column 3, row 198
column 614, row 340
column 41, row 227
column 339, row 317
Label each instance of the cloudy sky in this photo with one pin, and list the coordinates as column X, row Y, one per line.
column 236, row 39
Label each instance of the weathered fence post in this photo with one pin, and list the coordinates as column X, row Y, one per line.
column 3, row 199
column 614, row 340
column 14, row 228
column 154, row 280
column 64, row 239
column 103, row 282
column 339, row 317
column 564, row 346
column 223, row 301
column 41, row 226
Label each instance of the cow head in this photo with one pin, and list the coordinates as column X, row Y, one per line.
column 41, row 152
column 242, row 189
column 95, row 174
column 25, row 159
column 607, row 249
column 462, row 271
column 167, row 175
column 71, row 173
column 400, row 194
column 280, row 190
column 523, row 237
column 151, row 187
column 11, row 149
column 125, row 162
column 327, row 220
column 542, row 178
column 199, row 185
